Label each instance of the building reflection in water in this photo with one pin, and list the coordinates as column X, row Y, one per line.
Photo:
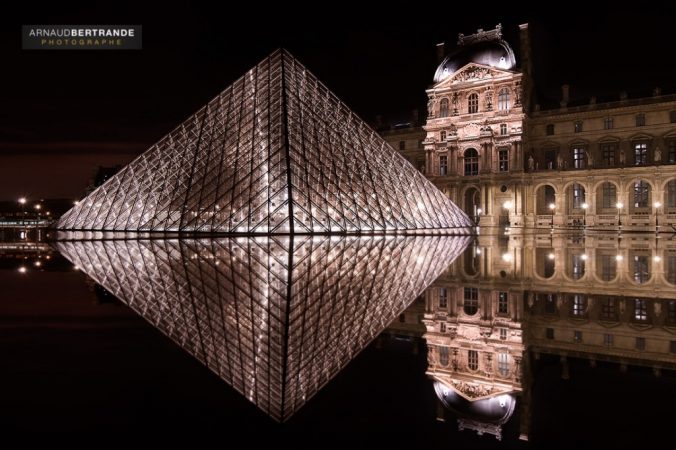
column 274, row 317
column 508, row 301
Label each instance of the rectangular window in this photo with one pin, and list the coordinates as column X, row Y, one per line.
column 641, row 269
column 609, row 195
column 608, row 152
column 578, row 126
column 578, row 158
column 640, row 343
column 608, row 267
column 672, row 116
column 640, row 309
column 442, row 327
column 671, row 150
column 640, row 153
column 503, row 129
column 671, row 312
column 578, row 196
column 672, row 347
column 503, row 364
column 641, row 194
column 503, row 334
column 550, row 304
column 579, row 305
column 608, row 123
column 443, row 165
column 473, row 359
column 577, row 336
column 549, row 333
column 503, row 159
column 503, row 303
column 443, row 356
column 640, row 120
column 608, row 340
column 443, row 297
column 550, row 129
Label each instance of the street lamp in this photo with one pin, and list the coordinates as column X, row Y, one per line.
column 22, row 202
column 507, row 205
column 657, row 213
column 619, row 206
column 478, row 214
column 552, row 207
column 585, row 206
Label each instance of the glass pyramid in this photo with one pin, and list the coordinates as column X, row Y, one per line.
column 275, row 317
column 275, row 152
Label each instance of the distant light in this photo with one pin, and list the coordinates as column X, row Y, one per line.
column 22, row 269
column 38, row 206
column 76, row 267
column 478, row 251
column 551, row 256
column 619, row 258
column 585, row 205
column 507, row 205
column 507, row 257
column 657, row 258
column 38, row 263
column 22, row 200
column 48, row 213
column 584, row 257
column 552, row 206
column 76, row 202
column 479, row 210
column 657, row 204
column 619, row 205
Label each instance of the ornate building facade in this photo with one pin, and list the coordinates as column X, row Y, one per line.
column 507, row 161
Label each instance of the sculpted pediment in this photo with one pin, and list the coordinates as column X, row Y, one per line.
column 473, row 72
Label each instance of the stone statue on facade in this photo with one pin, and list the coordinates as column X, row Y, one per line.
column 531, row 163
column 658, row 155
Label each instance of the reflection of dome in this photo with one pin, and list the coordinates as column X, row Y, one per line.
column 494, row 410
column 494, row 53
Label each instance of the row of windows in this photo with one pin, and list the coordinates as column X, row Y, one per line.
column 608, row 340
column 473, row 103
column 473, row 360
column 608, row 123
column 471, row 300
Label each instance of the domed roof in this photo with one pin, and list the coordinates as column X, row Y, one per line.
column 496, row 409
column 494, row 53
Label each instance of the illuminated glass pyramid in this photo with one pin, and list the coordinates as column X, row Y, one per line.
column 275, row 317
column 276, row 152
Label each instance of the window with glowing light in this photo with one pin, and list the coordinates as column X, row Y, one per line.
column 443, row 165
column 443, row 297
column 443, row 107
column 578, row 158
column 640, row 309
column 640, row 153
column 503, row 99
column 443, row 356
column 503, row 160
column 503, row 303
column 579, row 305
column 503, row 364
column 641, row 194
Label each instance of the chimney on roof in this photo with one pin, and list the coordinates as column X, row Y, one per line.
column 565, row 95
column 441, row 52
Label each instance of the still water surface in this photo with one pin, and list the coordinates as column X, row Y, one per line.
column 539, row 340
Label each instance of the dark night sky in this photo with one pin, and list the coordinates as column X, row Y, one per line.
column 64, row 112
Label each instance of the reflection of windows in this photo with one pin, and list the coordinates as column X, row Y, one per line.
column 503, row 99
column 640, row 343
column 607, row 339
column 608, row 123
column 671, row 150
column 550, row 304
column 443, row 356
column 503, row 303
column 671, row 312
column 640, row 120
column 641, row 269
column 579, row 305
column 641, row 194
column 608, row 267
column 471, row 162
column 640, row 153
column 577, row 336
column 473, row 104
column 578, row 267
column 608, row 153
column 609, row 193
column 443, row 165
column 443, row 297
column 578, row 126
column 549, row 333
column 640, row 309
column 473, row 359
column 471, row 301
column 608, row 311
column 503, row 334
column 503, row 364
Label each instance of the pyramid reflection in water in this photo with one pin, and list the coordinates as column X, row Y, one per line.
column 276, row 318
column 274, row 153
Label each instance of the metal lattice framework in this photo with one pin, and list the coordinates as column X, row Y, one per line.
column 276, row 152
column 275, row 317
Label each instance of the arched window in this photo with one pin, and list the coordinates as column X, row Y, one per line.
column 443, row 356
column 608, row 195
column 503, row 99
column 641, row 194
column 443, row 107
column 473, row 104
column 471, row 301
column 471, row 162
